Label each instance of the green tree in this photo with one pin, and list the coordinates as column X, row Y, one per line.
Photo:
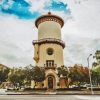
column 62, row 71
column 96, row 75
column 78, row 75
column 4, row 74
column 17, row 77
column 28, row 70
column 13, row 78
column 38, row 75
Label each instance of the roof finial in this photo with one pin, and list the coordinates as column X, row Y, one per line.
column 49, row 13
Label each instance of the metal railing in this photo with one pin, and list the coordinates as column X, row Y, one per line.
column 50, row 67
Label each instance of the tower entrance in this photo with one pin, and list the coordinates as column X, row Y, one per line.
column 50, row 82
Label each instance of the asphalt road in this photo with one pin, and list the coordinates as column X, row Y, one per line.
column 49, row 97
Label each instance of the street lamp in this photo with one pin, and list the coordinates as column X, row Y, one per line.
column 90, row 73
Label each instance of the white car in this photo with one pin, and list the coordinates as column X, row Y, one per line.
column 3, row 91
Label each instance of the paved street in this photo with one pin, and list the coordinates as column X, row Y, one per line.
column 49, row 97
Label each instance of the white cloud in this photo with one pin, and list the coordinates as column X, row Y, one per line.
column 86, row 18
column 38, row 5
column 82, row 33
column 16, row 41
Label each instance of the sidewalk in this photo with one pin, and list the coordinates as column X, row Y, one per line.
column 54, row 93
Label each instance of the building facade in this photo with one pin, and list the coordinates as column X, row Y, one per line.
column 48, row 48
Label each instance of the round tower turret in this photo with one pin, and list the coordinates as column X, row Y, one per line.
column 49, row 26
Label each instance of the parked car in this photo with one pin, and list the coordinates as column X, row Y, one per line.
column 3, row 91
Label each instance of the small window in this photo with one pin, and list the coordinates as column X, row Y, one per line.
column 49, row 51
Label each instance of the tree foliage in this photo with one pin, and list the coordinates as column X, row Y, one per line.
column 3, row 74
column 38, row 74
column 17, row 77
column 62, row 71
column 78, row 74
column 96, row 75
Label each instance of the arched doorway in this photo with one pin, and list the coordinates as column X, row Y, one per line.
column 50, row 82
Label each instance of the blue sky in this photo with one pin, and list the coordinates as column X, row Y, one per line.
column 57, row 6
column 21, row 8
column 81, row 31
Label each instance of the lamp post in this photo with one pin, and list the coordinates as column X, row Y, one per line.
column 90, row 74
